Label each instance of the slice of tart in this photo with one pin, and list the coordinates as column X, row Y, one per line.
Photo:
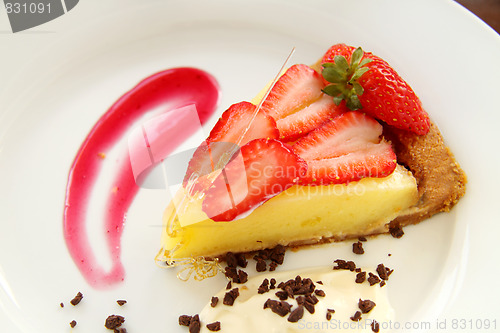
column 339, row 150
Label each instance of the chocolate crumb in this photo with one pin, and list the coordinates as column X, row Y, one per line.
column 382, row 283
column 195, row 324
column 357, row 248
column 356, row 317
column 242, row 276
column 375, row 326
column 342, row 264
column 366, row 305
column 362, row 239
column 389, row 254
column 384, row 272
column 319, row 282
column 72, row 323
column 329, row 313
column 231, row 296
column 261, row 265
column 296, row 314
column 214, row 327
column 272, row 266
column 214, row 301
column 229, row 285
column 373, row 279
column 396, row 231
column 114, row 321
column 77, row 299
column 360, row 277
column 120, row 330
column 264, row 287
column 61, row 305
column 231, row 260
column 273, row 283
column 242, row 260
column 282, row 295
column 281, row 308
column 357, row 270
column 184, row 320
column 121, row 302
column 320, row 293
column 307, row 302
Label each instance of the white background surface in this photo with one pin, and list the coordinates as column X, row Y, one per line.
column 57, row 79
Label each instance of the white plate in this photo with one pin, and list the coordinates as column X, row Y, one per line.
column 60, row 77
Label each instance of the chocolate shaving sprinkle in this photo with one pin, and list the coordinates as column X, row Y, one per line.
column 319, row 282
column 272, row 266
column 235, row 275
column 273, row 283
column 320, row 293
column 357, row 270
column 76, row 299
column 242, row 260
column 357, row 248
column 61, row 305
column 261, row 265
column 375, row 326
column 264, row 287
column 383, row 272
column 214, row 301
column 195, row 324
column 360, row 277
column 329, row 313
column 231, row 260
column 342, row 264
column 120, row 330
column 242, row 276
column 396, row 231
column 382, row 283
column 229, row 285
column 373, row 279
column 231, row 296
column 282, row 295
column 281, row 308
column 72, row 323
column 115, row 321
column 121, row 302
column 362, row 239
column 214, row 327
column 184, row 320
column 356, row 317
column 366, row 305
column 296, row 314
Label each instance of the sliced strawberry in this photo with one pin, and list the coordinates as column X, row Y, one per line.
column 235, row 120
column 346, row 149
column 298, row 87
column 368, row 83
column 297, row 103
column 305, row 120
column 212, row 154
column 262, row 169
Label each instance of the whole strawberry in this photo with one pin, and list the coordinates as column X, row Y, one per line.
column 367, row 83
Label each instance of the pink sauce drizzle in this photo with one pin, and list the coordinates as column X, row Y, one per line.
column 169, row 90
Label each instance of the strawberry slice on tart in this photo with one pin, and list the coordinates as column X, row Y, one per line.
column 345, row 149
column 224, row 140
column 298, row 104
column 266, row 168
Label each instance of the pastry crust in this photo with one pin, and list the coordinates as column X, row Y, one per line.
column 441, row 182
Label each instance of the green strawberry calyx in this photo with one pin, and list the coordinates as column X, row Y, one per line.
column 344, row 76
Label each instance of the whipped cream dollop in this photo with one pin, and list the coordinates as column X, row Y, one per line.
column 341, row 294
